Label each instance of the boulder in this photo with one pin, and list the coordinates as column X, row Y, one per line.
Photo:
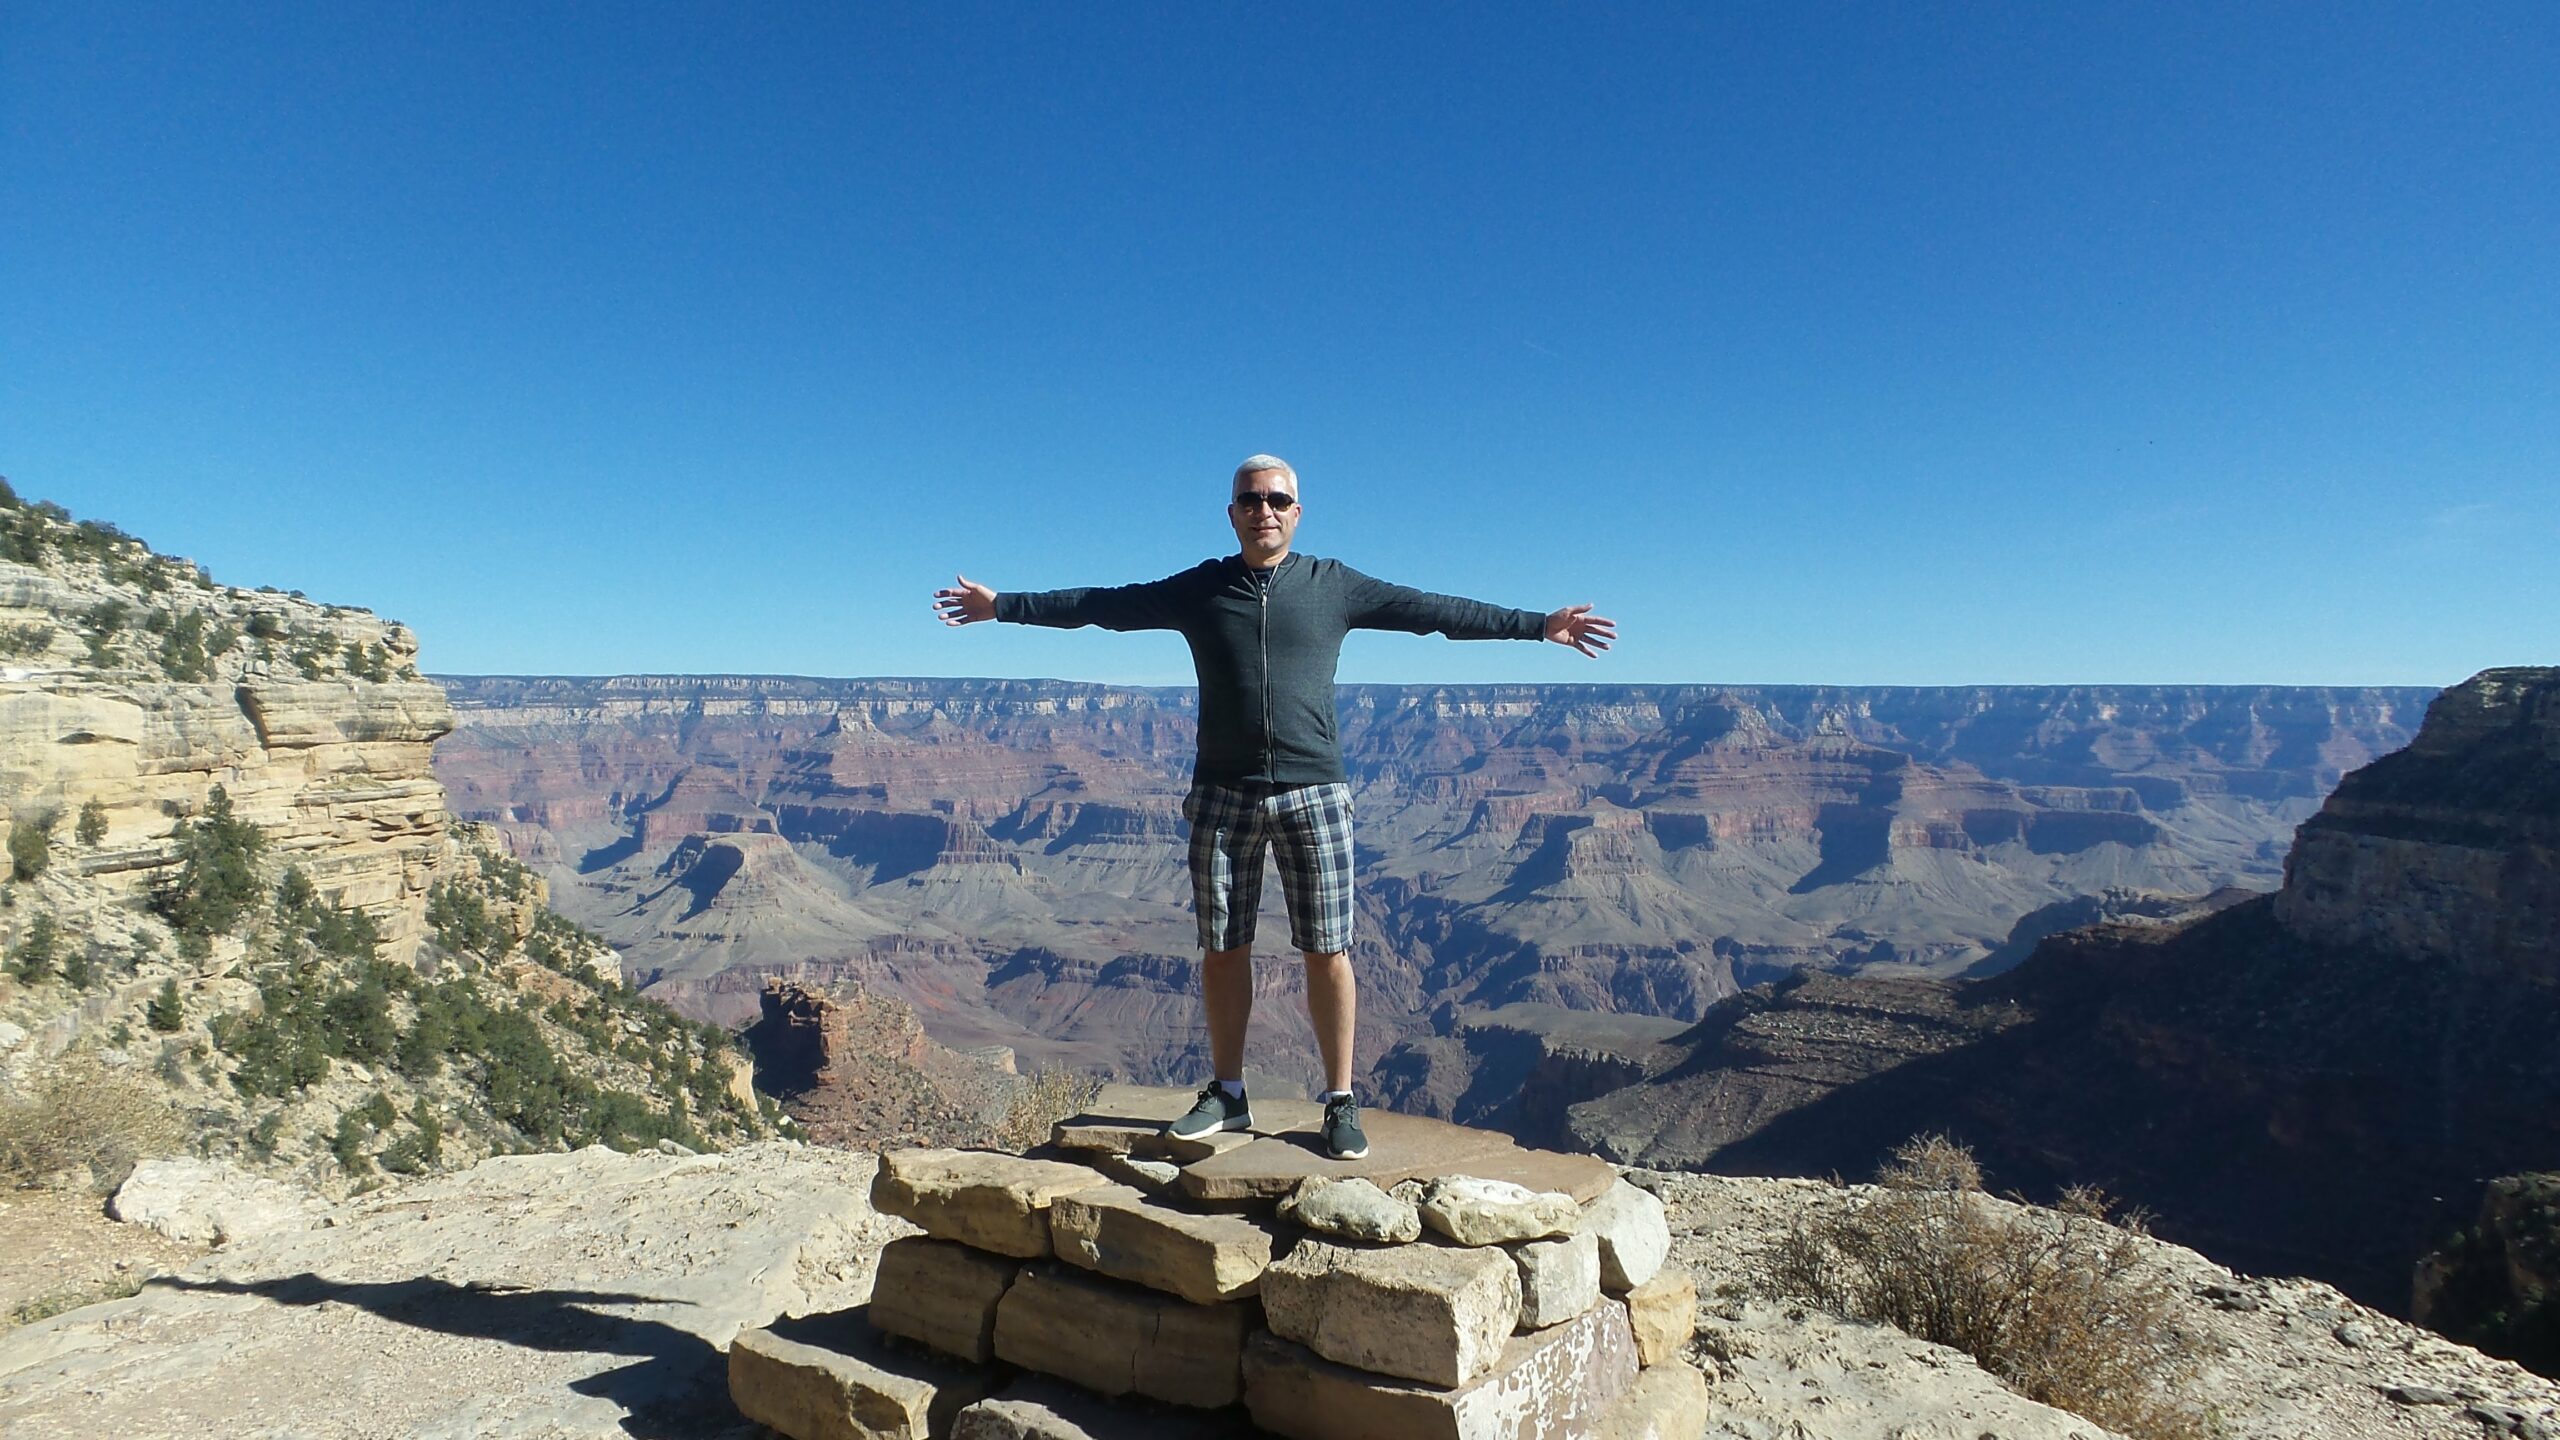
column 209, row 1201
column 834, row 1381
column 980, row 1198
column 1666, row 1402
column 1118, row 1339
column 1635, row 1236
column 1353, row 1209
column 1555, row 1384
column 1435, row 1313
column 1118, row 1231
column 1475, row 1211
column 941, row 1294
column 1664, row 1314
column 1559, row 1279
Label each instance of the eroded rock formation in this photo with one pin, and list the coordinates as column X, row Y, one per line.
column 133, row 688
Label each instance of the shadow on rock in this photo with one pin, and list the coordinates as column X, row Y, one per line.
column 675, row 1386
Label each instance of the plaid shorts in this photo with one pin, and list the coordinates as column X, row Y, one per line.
column 1309, row 826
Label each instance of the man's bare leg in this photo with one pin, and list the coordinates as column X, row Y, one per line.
column 1226, row 991
column 1333, row 1003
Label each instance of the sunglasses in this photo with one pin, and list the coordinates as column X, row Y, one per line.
column 1269, row 499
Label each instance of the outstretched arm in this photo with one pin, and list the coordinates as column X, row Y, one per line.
column 966, row 603
column 1155, row 605
column 1576, row 626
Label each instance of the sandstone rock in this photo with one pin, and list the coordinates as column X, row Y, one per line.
column 1474, row 1211
column 941, row 1294
column 1037, row 1408
column 1666, row 1402
column 835, row 1383
column 11, row 1037
column 1106, row 1137
column 1555, row 1384
column 980, row 1198
column 1559, row 1279
column 1434, row 1313
column 1634, row 1236
column 1401, row 1147
column 1152, row 1176
column 1203, row 1147
column 1118, row 1231
column 1664, row 1314
column 585, row 1296
column 1117, row 1339
column 210, row 1201
column 1353, row 1209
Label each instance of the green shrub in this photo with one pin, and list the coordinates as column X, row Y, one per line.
column 348, row 1145
column 167, row 1011
column 217, row 882
column 39, row 951
column 80, row 966
column 28, row 639
column 92, row 828
column 2059, row 1304
column 31, row 844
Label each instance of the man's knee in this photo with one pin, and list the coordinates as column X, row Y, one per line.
column 1240, row 955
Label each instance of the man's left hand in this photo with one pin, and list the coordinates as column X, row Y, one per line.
column 1576, row 626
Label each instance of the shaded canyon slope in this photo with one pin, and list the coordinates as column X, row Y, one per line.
column 2318, row 1081
column 1006, row 856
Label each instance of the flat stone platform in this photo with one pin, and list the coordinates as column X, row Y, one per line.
column 1283, row 1149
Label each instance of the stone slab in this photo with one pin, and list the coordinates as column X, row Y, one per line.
column 1666, row 1402
column 1122, row 1232
column 1664, row 1313
column 1401, row 1147
column 1557, row 1384
column 1038, row 1408
column 1153, row 1176
column 1635, row 1235
column 1559, row 1279
column 983, row 1199
column 941, row 1294
column 829, row 1378
column 1107, row 1137
column 1116, row 1339
column 1440, row 1314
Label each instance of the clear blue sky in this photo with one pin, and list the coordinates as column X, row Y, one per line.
column 1877, row 343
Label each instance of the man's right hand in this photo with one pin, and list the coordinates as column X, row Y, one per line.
column 965, row 604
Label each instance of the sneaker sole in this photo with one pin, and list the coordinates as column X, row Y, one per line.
column 1241, row 1122
column 1361, row 1153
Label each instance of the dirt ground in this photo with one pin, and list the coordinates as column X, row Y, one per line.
column 58, row 1250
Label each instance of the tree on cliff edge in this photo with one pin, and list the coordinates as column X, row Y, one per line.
column 217, row 884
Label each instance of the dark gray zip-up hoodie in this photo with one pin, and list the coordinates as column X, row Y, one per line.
column 1265, row 644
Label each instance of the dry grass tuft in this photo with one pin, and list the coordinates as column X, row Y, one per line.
column 2059, row 1304
column 82, row 1116
column 1048, row 1097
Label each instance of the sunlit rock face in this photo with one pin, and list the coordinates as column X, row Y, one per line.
column 2449, row 851
column 1007, row 856
column 133, row 689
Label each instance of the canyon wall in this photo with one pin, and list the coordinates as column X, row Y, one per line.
column 133, row 687
column 1006, row 856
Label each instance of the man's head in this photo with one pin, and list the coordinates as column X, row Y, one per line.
column 1263, row 506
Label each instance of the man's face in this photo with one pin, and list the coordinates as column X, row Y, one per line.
column 1264, row 532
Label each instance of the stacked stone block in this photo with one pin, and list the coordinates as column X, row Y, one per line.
column 1463, row 1307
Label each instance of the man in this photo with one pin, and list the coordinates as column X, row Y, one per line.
column 1265, row 627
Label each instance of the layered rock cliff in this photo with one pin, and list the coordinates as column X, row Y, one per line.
column 1006, row 855
column 133, row 685
column 2318, row 1080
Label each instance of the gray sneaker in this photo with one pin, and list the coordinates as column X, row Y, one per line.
column 1343, row 1139
column 1214, row 1112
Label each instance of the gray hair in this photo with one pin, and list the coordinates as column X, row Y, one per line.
column 1257, row 464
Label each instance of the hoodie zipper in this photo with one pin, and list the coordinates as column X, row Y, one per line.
column 1262, row 590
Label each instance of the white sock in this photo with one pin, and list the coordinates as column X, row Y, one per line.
column 1329, row 1096
column 1234, row 1088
